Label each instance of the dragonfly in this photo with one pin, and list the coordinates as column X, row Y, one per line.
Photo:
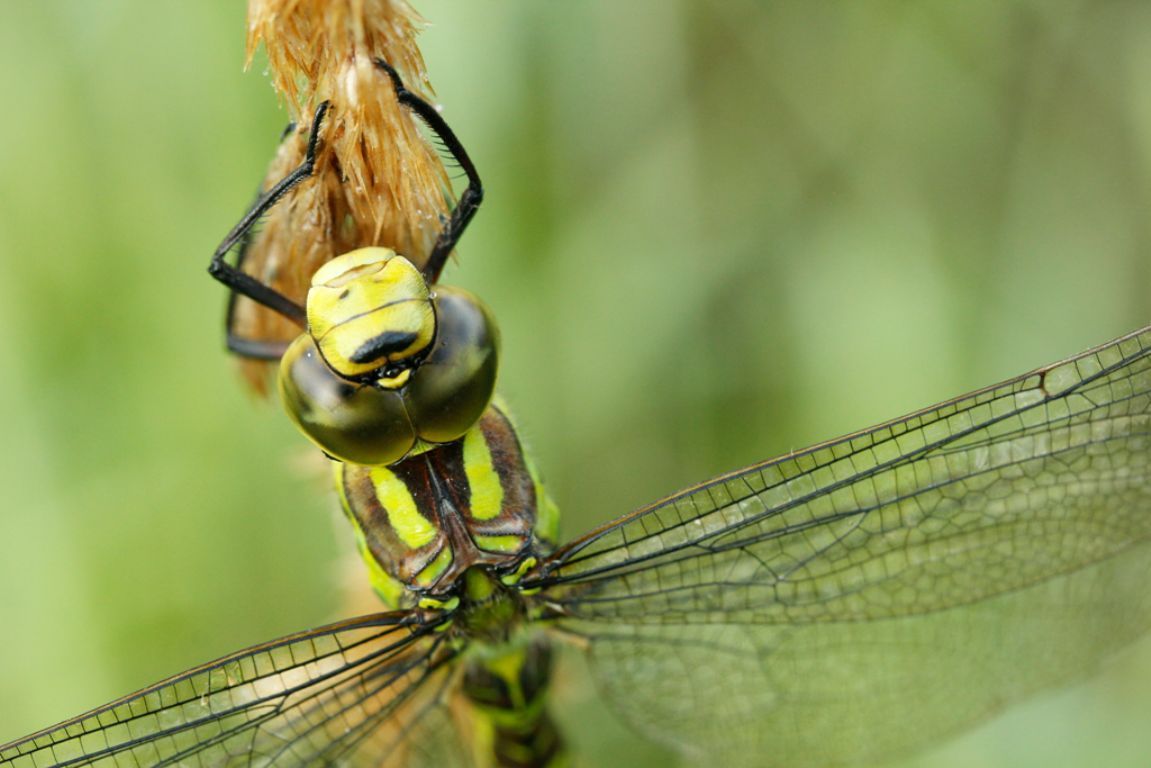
column 376, row 175
column 835, row 605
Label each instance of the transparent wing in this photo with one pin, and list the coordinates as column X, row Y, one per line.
column 874, row 593
column 367, row 691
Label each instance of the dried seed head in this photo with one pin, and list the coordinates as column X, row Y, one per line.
column 376, row 181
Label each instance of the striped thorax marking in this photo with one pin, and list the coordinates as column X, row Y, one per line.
column 426, row 520
column 413, row 529
column 484, row 486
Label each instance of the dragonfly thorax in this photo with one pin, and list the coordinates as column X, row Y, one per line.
column 424, row 522
column 387, row 367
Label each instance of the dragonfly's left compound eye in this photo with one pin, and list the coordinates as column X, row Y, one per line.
column 386, row 367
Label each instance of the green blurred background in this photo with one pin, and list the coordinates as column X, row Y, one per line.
column 715, row 231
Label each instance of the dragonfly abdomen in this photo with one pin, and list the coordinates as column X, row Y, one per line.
column 506, row 687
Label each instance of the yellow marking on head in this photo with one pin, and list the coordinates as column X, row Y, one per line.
column 487, row 492
column 366, row 298
column 414, row 530
column 395, row 382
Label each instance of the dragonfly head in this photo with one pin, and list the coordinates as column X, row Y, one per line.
column 387, row 365
column 370, row 314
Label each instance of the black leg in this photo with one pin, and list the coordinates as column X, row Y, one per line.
column 287, row 131
column 241, row 282
column 237, row 344
column 471, row 198
column 256, row 350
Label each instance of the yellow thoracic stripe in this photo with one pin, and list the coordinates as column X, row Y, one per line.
column 501, row 544
column 388, row 588
column 487, row 492
column 435, row 569
column 414, row 530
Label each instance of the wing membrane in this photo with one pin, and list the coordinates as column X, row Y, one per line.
column 360, row 692
column 875, row 592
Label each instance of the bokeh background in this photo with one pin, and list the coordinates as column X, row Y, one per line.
column 715, row 231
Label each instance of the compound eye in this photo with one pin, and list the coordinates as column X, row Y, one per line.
column 455, row 383
column 349, row 421
column 370, row 312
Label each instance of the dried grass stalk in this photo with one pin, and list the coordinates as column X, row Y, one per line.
column 377, row 180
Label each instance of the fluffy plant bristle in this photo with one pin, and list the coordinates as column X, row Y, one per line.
column 377, row 181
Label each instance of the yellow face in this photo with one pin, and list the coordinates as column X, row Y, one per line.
column 370, row 311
